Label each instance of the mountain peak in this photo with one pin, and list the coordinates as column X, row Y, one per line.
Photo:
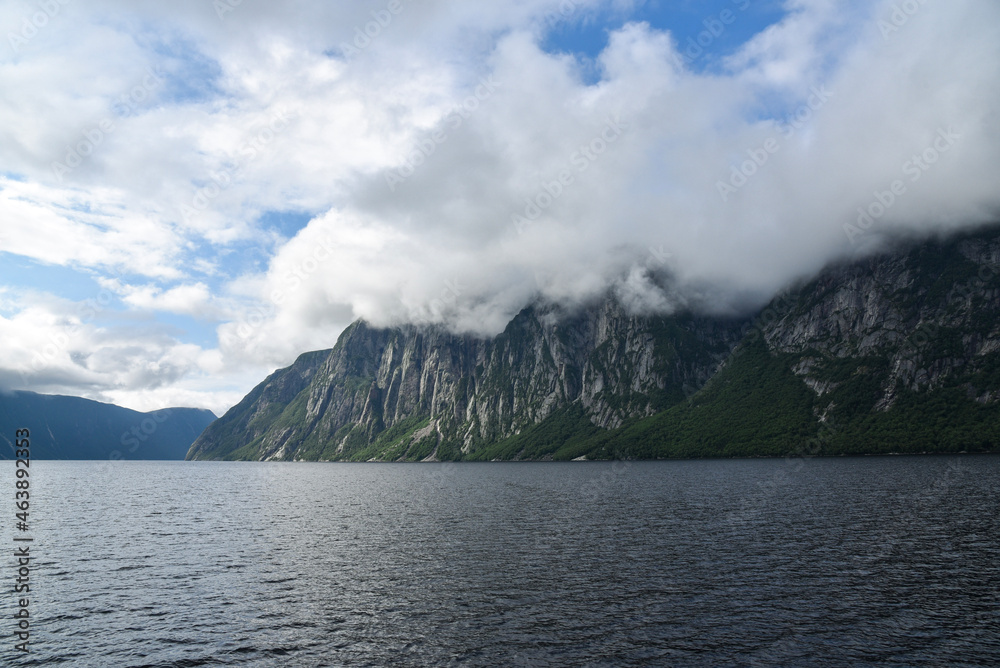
column 867, row 345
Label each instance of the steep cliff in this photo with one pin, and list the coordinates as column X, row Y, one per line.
column 927, row 319
column 847, row 361
column 424, row 392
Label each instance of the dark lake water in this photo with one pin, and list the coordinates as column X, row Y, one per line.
column 890, row 561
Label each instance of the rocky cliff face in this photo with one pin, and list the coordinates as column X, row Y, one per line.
column 927, row 318
column 921, row 320
column 464, row 391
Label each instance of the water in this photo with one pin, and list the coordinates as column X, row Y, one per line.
column 858, row 561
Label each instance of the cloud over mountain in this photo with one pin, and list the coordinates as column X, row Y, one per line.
column 446, row 163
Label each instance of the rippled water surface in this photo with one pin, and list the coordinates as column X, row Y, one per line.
column 859, row 561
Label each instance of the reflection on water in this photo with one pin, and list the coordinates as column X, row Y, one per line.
column 748, row 562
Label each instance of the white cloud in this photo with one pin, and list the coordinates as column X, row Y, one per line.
column 256, row 111
column 657, row 186
column 79, row 348
column 194, row 300
column 94, row 228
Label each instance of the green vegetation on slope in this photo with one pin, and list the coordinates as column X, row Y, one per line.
column 755, row 406
column 566, row 434
column 394, row 443
column 919, row 327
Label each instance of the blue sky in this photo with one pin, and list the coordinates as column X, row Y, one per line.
column 705, row 32
column 192, row 197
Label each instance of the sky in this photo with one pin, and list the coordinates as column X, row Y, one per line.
column 194, row 193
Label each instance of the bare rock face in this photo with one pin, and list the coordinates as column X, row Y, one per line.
column 912, row 320
column 474, row 391
column 929, row 315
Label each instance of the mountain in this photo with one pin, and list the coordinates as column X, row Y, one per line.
column 74, row 428
column 899, row 352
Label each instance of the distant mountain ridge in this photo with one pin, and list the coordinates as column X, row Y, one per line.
column 64, row 427
column 895, row 353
